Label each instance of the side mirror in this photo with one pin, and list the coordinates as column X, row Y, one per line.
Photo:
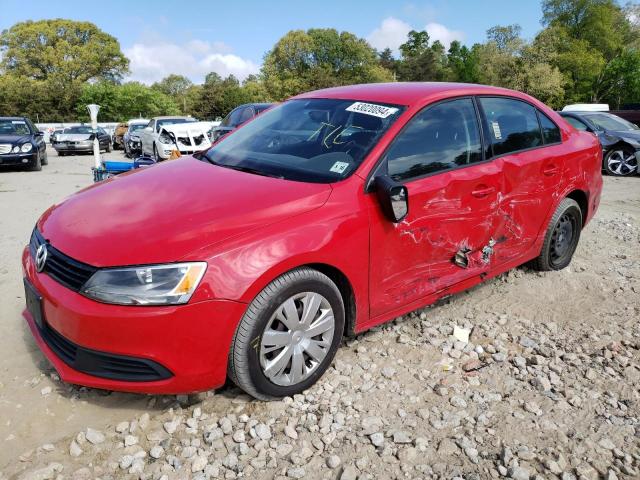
column 148, row 129
column 39, row 134
column 393, row 198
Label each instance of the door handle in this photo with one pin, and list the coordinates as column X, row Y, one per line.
column 482, row 191
column 550, row 170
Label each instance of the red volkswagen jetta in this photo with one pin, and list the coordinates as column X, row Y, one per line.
column 330, row 213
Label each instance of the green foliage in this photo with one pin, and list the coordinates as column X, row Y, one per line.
column 64, row 50
column 217, row 97
column 121, row 102
column 319, row 58
column 177, row 87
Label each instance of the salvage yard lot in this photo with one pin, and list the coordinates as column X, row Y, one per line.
column 554, row 388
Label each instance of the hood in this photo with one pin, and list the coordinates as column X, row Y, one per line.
column 73, row 137
column 164, row 212
column 13, row 139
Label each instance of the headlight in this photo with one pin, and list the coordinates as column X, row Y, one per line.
column 27, row 147
column 170, row 284
column 16, row 149
column 165, row 139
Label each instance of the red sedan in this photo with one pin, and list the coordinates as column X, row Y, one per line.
column 329, row 214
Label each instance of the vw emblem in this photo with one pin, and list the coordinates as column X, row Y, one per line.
column 41, row 257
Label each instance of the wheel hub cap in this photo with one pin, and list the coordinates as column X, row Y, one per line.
column 622, row 162
column 297, row 338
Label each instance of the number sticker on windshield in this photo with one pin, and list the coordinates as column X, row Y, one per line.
column 379, row 111
column 339, row 167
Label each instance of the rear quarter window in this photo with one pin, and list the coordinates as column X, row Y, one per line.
column 550, row 131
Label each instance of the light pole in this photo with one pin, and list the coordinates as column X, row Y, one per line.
column 93, row 113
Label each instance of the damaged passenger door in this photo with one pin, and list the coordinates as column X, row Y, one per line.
column 446, row 235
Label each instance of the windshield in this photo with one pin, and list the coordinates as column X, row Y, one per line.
column 607, row 121
column 137, row 126
column 309, row 140
column 81, row 129
column 14, row 127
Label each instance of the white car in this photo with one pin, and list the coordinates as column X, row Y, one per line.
column 156, row 142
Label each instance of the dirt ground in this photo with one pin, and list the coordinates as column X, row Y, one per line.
column 547, row 387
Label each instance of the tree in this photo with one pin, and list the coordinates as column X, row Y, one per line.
column 463, row 62
column 219, row 96
column 422, row 62
column 64, row 50
column 121, row 102
column 387, row 60
column 176, row 87
column 319, row 58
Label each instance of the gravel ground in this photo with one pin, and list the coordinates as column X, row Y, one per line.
column 548, row 385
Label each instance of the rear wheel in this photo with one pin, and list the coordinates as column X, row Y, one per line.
column 621, row 161
column 288, row 336
column 156, row 157
column 561, row 239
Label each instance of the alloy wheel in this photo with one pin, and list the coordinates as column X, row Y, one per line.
column 297, row 338
column 622, row 162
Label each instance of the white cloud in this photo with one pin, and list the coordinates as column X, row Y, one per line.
column 393, row 32
column 153, row 59
column 437, row 31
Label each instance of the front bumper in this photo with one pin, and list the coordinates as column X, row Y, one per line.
column 74, row 147
column 10, row 159
column 190, row 341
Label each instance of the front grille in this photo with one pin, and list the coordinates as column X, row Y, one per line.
column 102, row 364
column 62, row 268
column 5, row 148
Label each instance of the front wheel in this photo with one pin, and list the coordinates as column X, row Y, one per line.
column 561, row 239
column 288, row 336
column 621, row 161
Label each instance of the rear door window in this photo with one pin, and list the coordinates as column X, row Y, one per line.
column 439, row 138
column 512, row 125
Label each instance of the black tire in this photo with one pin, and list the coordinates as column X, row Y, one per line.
column 155, row 153
column 621, row 161
column 108, row 148
column 61, row 154
column 37, row 165
column 244, row 367
column 45, row 158
column 561, row 238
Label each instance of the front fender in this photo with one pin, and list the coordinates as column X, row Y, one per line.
column 250, row 263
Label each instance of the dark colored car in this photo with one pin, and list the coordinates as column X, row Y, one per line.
column 21, row 143
column 237, row 117
column 326, row 215
column 620, row 139
column 80, row 140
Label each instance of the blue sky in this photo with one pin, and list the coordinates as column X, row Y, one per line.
column 194, row 37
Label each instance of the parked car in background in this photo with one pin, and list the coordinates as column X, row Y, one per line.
column 237, row 117
column 131, row 138
column 54, row 135
column 182, row 139
column 118, row 135
column 150, row 136
column 21, row 143
column 80, row 140
column 325, row 216
column 619, row 138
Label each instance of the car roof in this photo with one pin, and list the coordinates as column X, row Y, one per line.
column 408, row 93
